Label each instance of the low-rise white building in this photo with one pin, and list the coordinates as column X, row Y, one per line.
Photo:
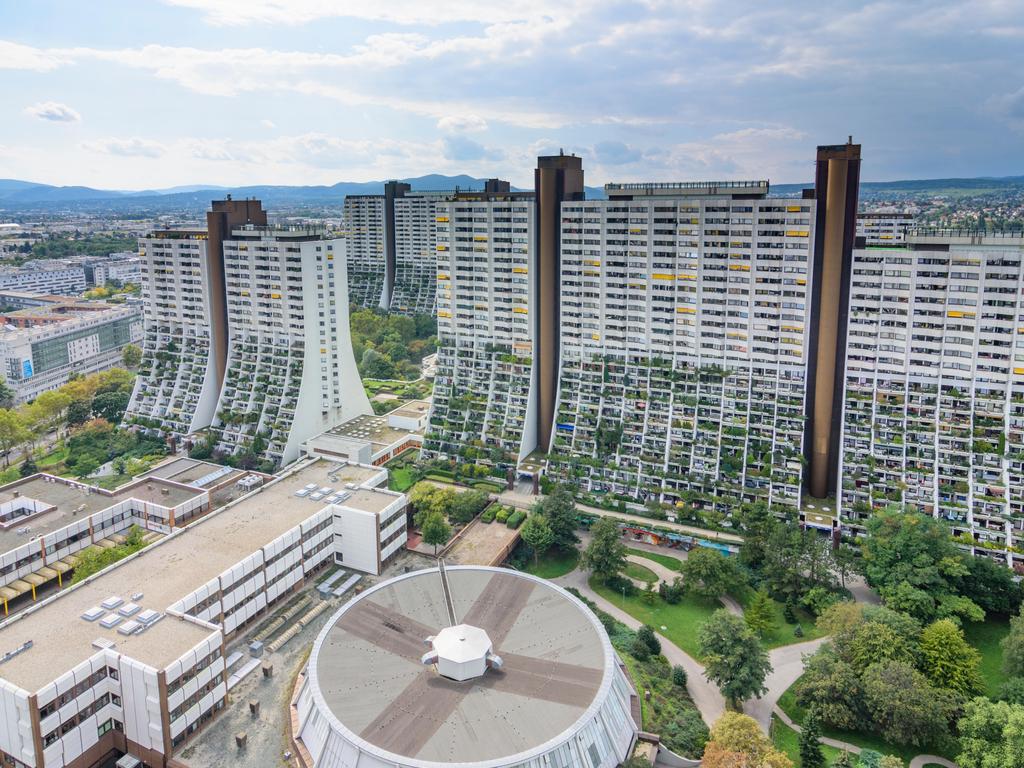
column 132, row 660
column 44, row 276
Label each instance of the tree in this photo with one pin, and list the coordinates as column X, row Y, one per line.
column 990, row 585
column 737, row 740
column 735, row 660
column 12, row 432
column 843, row 760
column 890, row 761
column 872, row 642
column 559, row 509
column 948, row 661
column 131, row 356
column 1012, row 644
column 427, row 498
column 848, row 561
column 709, row 573
column 647, row 636
column 760, row 614
column 811, row 755
column 109, row 405
column 537, row 534
column 466, row 505
column 28, row 467
column 79, row 412
column 904, row 707
column 51, row 406
column 435, row 530
column 833, row 687
column 913, row 563
column 1012, row 690
column 991, row 734
column 6, row 394
column 605, row 556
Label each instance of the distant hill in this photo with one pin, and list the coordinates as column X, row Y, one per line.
column 18, row 195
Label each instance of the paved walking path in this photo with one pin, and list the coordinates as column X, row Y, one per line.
column 668, row 575
column 526, row 501
column 787, row 665
column 705, row 695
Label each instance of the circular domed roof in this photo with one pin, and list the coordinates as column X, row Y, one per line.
column 554, row 672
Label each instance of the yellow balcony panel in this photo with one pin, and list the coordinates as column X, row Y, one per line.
column 686, row 277
column 740, row 267
column 592, row 262
column 801, row 281
column 1019, row 371
column 521, row 311
column 442, row 313
column 441, row 219
column 662, row 276
column 595, row 336
column 591, row 273
column 797, row 233
column 442, row 247
column 686, row 310
column 521, row 270
column 793, row 208
column 443, row 277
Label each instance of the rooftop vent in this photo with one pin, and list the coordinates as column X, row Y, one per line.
column 112, row 602
column 110, row 621
column 102, row 643
column 93, row 613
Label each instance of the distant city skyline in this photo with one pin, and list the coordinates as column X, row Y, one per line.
column 156, row 94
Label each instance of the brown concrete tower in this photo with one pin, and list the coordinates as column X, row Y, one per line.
column 557, row 178
column 220, row 219
column 836, row 186
column 392, row 189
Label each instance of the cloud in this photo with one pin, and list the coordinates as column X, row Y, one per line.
column 268, row 124
column 464, row 149
column 615, row 153
column 462, row 124
column 430, row 12
column 54, row 112
column 133, row 147
column 1009, row 105
column 16, row 56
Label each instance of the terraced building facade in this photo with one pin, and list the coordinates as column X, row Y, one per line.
column 684, row 316
column 484, row 394
column 934, row 388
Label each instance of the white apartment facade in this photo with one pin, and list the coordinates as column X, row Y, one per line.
column 291, row 373
column 178, row 384
column 123, row 271
column 42, row 357
column 884, row 227
column 684, row 316
column 485, row 399
column 134, row 659
column 415, row 283
column 44, row 276
column 934, row 401
column 365, row 229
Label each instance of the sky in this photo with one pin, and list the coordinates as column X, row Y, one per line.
column 147, row 94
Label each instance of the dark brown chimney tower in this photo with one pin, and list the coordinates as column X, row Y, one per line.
column 836, row 187
column 223, row 216
column 392, row 190
column 557, row 178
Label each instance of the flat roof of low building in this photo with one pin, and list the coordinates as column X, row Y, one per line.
column 368, row 673
column 164, row 573
column 372, row 429
column 189, row 471
column 74, row 500
column 414, row 409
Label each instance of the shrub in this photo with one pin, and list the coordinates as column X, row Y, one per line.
column 789, row 612
column 672, row 593
column 679, row 676
column 488, row 515
column 818, row 600
column 646, row 634
column 502, row 514
column 639, row 650
column 516, row 519
column 621, row 585
column 798, row 631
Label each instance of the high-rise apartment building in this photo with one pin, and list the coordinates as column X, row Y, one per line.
column 366, row 234
column 484, row 395
column 684, row 315
column 291, row 373
column 679, row 342
column 247, row 331
column 393, row 245
column 934, row 389
column 884, row 227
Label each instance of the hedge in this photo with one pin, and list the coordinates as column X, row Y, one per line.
column 516, row 519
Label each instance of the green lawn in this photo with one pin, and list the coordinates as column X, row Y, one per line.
column 788, row 704
column 783, row 634
column 554, row 563
column 639, row 573
column 672, row 563
column 787, row 740
column 401, row 479
column 681, row 621
column 109, row 482
column 985, row 636
column 53, row 458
